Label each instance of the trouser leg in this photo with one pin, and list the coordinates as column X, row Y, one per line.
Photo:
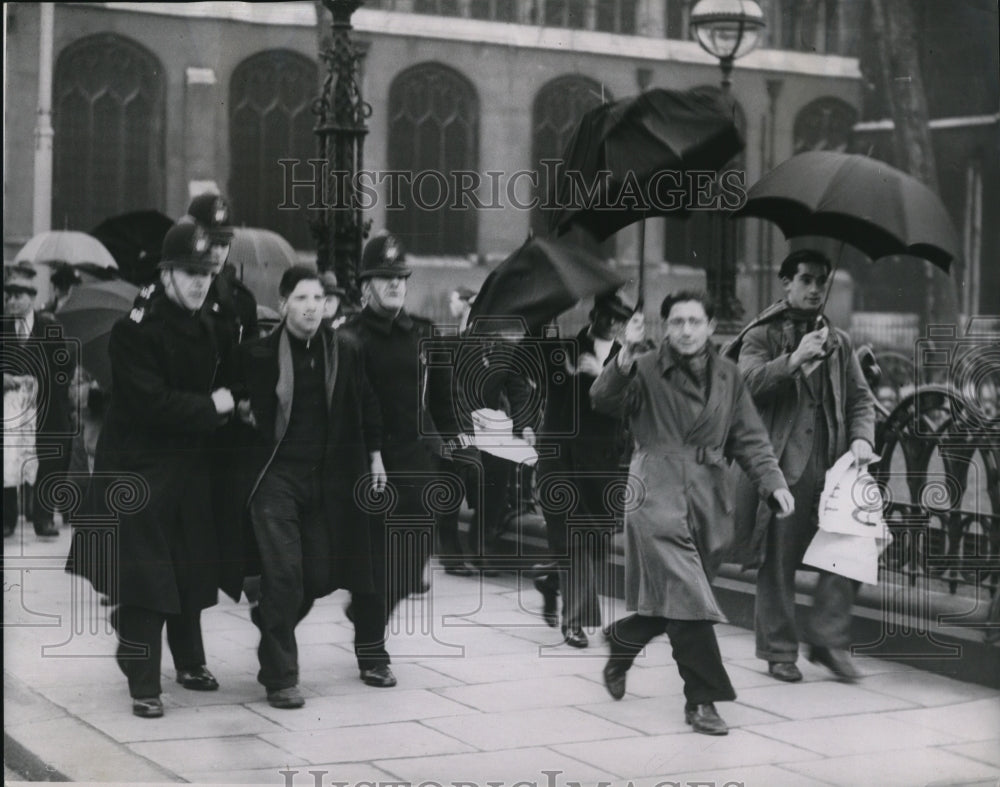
column 140, row 647
column 276, row 514
column 581, row 606
column 9, row 509
column 699, row 661
column 184, row 639
column 630, row 635
column 787, row 540
column 368, row 611
column 49, row 467
column 448, row 545
column 829, row 621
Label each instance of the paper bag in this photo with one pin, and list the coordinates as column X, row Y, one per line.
column 494, row 434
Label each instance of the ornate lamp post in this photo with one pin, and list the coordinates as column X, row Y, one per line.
column 727, row 30
column 341, row 113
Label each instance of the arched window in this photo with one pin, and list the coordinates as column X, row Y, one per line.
column 270, row 119
column 108, row 101
column 433, row 134
column 558, row 108
column 695, row 240
column 824, row 124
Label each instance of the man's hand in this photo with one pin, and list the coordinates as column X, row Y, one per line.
column 587, row 363
column 378, row 472
column 635, row 334
column 222, row 398
column 785, row 502
column 811, row 348
column 245, row 413
column 863, row 453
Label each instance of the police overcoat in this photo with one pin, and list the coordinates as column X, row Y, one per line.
column 679, row 516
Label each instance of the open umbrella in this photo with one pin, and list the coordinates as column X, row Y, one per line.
column 260, row 257
column 635, row 140
column 542, row 279
column 134, row 240
column 88, row 315
column 76, row 248
column 857, row 200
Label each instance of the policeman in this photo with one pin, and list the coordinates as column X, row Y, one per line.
column 235, row 300
column 170, row 395
column 391, row 338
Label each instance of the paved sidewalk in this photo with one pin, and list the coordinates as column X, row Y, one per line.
column 487, row 693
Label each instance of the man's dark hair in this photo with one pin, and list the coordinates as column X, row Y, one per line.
column 688, row 295
column 290, row 278
column 790, row 265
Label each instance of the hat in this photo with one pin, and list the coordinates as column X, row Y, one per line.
column 63, row 275
column 187, row 245
column 384, row 257
column 611, row 303
column 330, row 286
column 211, row 211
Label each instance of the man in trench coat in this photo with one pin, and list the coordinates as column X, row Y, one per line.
column 314, row 458
column 170, row 367
column 688, row 410
column 814, row 401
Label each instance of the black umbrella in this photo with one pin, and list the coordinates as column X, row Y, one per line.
column 134, row 240
column 88, row 315
column 857, row 200
column 542, row 279
column 635, row 141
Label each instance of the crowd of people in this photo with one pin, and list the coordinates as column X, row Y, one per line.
column 281, row 465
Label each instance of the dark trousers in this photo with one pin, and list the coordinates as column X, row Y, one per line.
column 49, row 467
column 829, row 620
column 140, row 645
column 288, row 501
column 449, row 545
column 483, row 479
column 10, row 509
column 694, row 646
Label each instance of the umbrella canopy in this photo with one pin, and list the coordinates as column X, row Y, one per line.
column 76, row 248
column 635, row 139
column 260, row 257
column 134, row 240
column 542, row 279
column 88, row 315
column 857, row 200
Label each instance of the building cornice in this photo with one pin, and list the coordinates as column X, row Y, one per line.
column 515, row 36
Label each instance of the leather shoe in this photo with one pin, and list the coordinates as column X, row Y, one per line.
column 380, row 677
column 457, row 569
column 197, row 679
column 784, row 670
column 575, row 637
column 837, row 661
column 614, row 678
column 147, row 707
column 47, row 531
column 285, row 699
column 705, row 719
column 421, row 588
column 550, row 609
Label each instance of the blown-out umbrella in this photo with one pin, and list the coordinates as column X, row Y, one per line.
column 76, row 248
column 646, row 144
column 260, row 256
column 542, row 279
column 857, row 200
column 88, row 315
column 134, row 240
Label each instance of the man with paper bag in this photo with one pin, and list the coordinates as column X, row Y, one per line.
column 851, row 533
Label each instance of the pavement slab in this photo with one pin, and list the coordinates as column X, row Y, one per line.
column 216, row 755
column 665, row 754
column 214, row 721
column 752, row 776
column 354, row 744
column 905, row 768
column 665, row 715
column 984, row 751
column 343, row 772
column 813, row 700
column 527, row 694
column 973, row 721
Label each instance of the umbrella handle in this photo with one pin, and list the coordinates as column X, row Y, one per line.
column 833, row 272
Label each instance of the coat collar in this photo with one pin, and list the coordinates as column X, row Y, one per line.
column 667, row 358
column 383, row 322
column 285, row 387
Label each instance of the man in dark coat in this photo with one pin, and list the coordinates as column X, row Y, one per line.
column 391, row 340
column 169, row 397
column 813, row 399
column 33, row 345
column 316, row 451
column 589, row 448
column 688, row 410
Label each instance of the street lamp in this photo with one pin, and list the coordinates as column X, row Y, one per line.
column 727, row 30
column 341, row 113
